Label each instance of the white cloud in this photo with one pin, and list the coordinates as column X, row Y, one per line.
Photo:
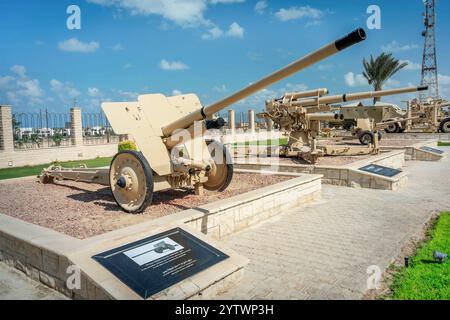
column 185, row 13
column 394, row 46
column 213, row 33
column 294, row 13
column 127, row 66
column 129, row 95
column 18, row 88
column 75, row 45
column 221, row 88
column 411, row 65
column 65, row 90
column 176, row 92
column 353, row 80
column 225, row 1
column 172, row 66
column 392, row 83
column 443, row 79
column 258, row 99
column 94, row 92
column 19, row 70
column 234, row 31
column 117, row 47
column 5, row 81
column 260, row 7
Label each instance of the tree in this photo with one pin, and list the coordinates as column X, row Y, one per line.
column 377, row 71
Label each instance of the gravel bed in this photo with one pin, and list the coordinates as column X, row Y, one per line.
column 83, row 210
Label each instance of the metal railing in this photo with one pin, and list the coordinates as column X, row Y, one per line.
column 45, row 129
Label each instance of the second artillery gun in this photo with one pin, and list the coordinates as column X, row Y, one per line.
column 169, row 133
column 302, row 113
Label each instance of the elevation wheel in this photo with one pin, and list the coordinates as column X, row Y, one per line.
column 445, row 125
column 131, row 181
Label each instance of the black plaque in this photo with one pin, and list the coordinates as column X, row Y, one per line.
column 153, row 264
column 380, row 170
column 433, row 150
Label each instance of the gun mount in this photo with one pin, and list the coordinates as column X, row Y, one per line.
column 168, row 132
column 302, row 113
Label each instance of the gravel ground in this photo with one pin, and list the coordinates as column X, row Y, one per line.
column 83, row 210
column 322, row 161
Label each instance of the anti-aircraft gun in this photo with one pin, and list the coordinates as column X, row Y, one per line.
column 168, row 132
column 301, row 114
column 428, row 116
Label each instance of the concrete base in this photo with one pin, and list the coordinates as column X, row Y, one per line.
column 45, row 255
column 414, row 152
column 347, row 175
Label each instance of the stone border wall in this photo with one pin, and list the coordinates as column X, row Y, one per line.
column 225, row 217
column 348, row 175
column 44, row 255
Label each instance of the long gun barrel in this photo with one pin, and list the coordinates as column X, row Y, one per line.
column 354, row 37
column 354, row 96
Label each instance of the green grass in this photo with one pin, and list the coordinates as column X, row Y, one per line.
column 443, row 144
column 426, row 279
column 26, row 171
column 273, row 142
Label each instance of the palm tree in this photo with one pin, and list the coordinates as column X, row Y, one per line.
column 377, row 71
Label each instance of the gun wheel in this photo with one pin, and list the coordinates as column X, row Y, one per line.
column 366, row 138
column 220, row 177
column 131, row 181
column 445, row 125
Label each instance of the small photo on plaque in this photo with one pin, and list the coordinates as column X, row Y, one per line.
column 380, row 170
column 153, row 264
column 433, row 150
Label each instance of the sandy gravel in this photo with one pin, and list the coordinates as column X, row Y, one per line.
column 322, row 161
column 83, row 210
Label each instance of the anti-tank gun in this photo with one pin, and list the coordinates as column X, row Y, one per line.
column 169, row 134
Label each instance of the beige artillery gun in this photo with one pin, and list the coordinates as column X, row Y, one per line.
column 168, row 132
column 427, row 116
column 301, row 114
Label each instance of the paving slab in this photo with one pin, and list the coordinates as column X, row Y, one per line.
column 15, row 285
column 324, row 250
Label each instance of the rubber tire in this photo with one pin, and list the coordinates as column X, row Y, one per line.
column 149, row 180
column 442, row 124
column 230, row 167
column 396, row 130
column 348, row 124
column 363, row 135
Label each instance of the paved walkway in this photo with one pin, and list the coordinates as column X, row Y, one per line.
column 14, row 285
column 323, row 251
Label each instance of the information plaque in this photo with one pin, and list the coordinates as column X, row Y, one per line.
column 429, row 149
column 380, row 170
column 153, row 264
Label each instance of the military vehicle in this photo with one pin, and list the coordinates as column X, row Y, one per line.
column 169, row 133
column 427, row 116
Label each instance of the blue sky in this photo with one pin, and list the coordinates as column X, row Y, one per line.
column 208, row 47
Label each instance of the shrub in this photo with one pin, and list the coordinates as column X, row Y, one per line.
column 127, row 145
